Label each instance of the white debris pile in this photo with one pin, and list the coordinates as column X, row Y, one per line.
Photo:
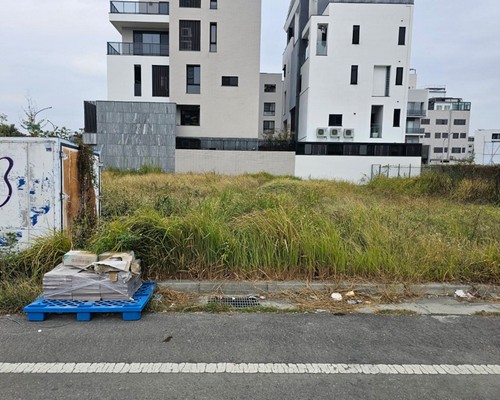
column 86, row 276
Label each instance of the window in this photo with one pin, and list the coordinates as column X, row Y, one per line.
column 463, row 149
column 459, row 122
column 269, row 88
column 402, row 36
column 427, row 135
column 190, row 3
column 229, row 81
column 160, row 81
column 137, row 80
column 425, row 121
column 441, row 122
column 456, row 150
column 399, row 76
column 463, row 136
column 150, row 43
column 455, row 135
column 321, row 41
column 335, row 120
column 190, row 115
column 438, row 150
column 269, row 126
column 437, row 135
column 381, row 80
column 193, row 79
column 213, row 37
column 284, row 71
column 354, row 74
column 355, row 34
column 269, row 108
column 213, row 4
column 189, row 35
column 396, row 121
column 445, row 135
column 290, row 32
column 495, row 136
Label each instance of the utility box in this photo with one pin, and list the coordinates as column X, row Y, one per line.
column 39, row 188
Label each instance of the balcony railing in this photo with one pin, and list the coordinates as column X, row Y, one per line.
column 137, row 49
column 139, row 7
column 416, row 112
column 417, row 131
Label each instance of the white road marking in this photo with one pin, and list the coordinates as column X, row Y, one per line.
column 247, row 368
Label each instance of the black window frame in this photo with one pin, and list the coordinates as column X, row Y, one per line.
column 268, row 129
column 189, row 3
column 356, row 30
column 213, row 4
column 335, row 119
column 460, row 122
column 396, row 119
column 441, row 121
column 188, row 119
column 230, row 81
column 402, row 36
column 160, row 80
column 354, row 74
column 269, row 108
column 270, row 86
column 189, row 41
column 137, row 80
column 399, row 76
column 212, row 34
column 193, row 86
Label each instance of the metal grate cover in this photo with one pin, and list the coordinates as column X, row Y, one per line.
column 236, row 302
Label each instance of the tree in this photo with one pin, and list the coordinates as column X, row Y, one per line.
column 36, row 127
column 8, row 130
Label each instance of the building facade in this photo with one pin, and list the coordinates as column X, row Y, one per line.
column 346, row 67
column 487, row 146
column 270, row 105
column 446, row 130
column 202, row 55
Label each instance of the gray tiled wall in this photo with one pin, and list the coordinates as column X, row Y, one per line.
column 130, row 135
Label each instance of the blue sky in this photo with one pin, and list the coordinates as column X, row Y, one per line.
column 54, row 51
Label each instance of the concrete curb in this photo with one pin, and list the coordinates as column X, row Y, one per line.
column 247, row 287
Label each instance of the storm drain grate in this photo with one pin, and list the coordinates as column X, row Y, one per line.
column 237, row 302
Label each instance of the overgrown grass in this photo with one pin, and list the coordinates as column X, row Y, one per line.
column 262, row 227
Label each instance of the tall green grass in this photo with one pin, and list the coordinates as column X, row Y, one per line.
column 262, row 227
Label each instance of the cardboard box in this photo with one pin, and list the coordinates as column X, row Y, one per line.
column 77, row 258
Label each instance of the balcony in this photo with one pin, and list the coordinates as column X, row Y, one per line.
column 416, row 112
column 415, row 131
column 139, row 15
column 137, row 49
column 139, row 7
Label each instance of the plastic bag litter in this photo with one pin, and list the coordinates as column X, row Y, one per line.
column 463, row 295
column 336, row 296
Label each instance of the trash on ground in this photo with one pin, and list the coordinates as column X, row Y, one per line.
column 350, row 294
column 353, row 302
column 463, row 295
column 336, row 297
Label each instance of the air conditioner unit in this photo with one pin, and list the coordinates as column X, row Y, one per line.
column 335, row 132
column 349, row 133
column 321, row 132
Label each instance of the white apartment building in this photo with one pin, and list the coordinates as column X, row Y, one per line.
column 270, row 105
column 487, row 146
column 345, row 96
column 446, row 127
column 202, row 55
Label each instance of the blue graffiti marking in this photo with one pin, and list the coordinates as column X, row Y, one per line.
column 20, row 183
column 37, row 181
column 37, row 213
column 5, row 178
column 10, row 238
column 32, row 191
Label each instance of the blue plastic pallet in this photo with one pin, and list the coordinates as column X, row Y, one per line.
column 131, row 309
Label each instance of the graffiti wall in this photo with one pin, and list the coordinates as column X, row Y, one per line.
column 29, row 186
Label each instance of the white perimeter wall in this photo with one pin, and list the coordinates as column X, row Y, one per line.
column 234, row 162
column 353, row 169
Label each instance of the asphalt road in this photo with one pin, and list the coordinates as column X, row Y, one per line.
column 251, row 338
